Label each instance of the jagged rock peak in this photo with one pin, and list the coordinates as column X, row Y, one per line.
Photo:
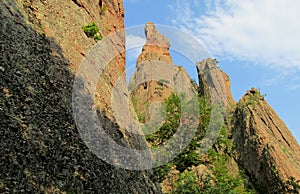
column 154, row 37
column 252, row 92
column 156, row 47
column 265, row 147
column 211, row 76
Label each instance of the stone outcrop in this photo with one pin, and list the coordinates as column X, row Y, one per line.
column 156, row 77
column 42, row 45
column 42, row 48
column 62, row 23
column 156, row 47
column 265, row 148
column 258, row 142
column 211, row 76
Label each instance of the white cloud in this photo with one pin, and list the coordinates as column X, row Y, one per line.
column 134, row 46
column 132, row 54
column 133, row 41
column 261, row 31
column 294, row 83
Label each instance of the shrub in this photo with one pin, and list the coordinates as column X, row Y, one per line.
column 292, row 186
column 187, row 183
column 220, row 181
column 289, row 186
column 189, row 156
column 103, row 8
column 91, row 30
column 166, row 131
column 97, row 37
column 162, row 81
column 140, row 115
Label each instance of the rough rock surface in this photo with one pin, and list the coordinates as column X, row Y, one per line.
column 211, row 76
column 42, row 44
column 156, row 47
column 156, row 77
column 265, row 148
column 62, row 22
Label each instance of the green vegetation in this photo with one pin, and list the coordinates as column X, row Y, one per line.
column 187, row 183
column 97, row 37
column 220, row 180
column 103, row 9
column 290, row 186
column 141, row 117
column 251, row 99
column 172, row 106
column 190, row 182
column 224, row 181
column 189, row 156
column 91, row 30
column 162, row 81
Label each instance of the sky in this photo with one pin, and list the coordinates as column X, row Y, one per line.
column 257, row 43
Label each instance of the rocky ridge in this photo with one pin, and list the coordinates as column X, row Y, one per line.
column 265, row 147
column 42, row 45
column 257, row 141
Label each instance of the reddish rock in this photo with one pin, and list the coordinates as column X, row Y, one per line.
column 156, row 47
column 265, row 148
column 41, row 149
column 214, row 83
column 156, row 77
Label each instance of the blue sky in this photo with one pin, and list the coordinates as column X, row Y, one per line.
column 257, row 43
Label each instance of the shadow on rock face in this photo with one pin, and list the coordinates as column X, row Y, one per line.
column 41, row 150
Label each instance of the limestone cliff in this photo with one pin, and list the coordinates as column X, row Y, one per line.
column 265, row 148
column 42, row 45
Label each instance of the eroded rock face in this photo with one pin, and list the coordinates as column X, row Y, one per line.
column 151, row 81
column 211, row 76
column 265, row 148
column 62, row 23
column 156, row 77
column 42, row 45
column 156, row 47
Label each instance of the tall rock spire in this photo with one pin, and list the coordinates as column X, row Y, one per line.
column 156, row 77
column 156, row 47
column 210, row 75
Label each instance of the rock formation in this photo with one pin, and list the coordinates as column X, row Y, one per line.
column 42, row 46
column 156, row 77
column 265, row 148
column 156, row 47
column 211, row 76
column 257, row 140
